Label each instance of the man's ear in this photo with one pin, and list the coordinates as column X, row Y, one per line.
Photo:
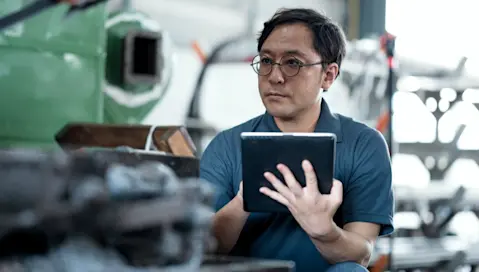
column 329, row 75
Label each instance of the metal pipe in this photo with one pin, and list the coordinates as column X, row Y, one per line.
column 126, row 5
column 251, row 16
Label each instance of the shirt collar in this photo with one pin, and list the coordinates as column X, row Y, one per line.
column 328, row 122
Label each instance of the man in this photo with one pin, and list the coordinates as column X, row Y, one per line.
column 300, row 54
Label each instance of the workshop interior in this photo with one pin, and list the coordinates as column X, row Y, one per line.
column 106, row 107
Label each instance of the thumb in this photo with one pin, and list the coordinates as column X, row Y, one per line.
column 240, row 190
column 337, row 191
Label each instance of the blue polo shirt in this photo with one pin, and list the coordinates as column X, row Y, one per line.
column 362, row 165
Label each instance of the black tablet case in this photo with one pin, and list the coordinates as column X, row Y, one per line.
column 261, row 152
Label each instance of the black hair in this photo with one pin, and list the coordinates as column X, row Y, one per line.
column 328, row 38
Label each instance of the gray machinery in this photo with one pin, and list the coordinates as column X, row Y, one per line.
column 104, row 203
column 430, row 247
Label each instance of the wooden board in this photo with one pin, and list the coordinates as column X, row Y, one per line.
column 170, row 139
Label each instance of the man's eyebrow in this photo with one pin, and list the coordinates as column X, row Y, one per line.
column 286, row 52
column 266, row 51
column 295, row 52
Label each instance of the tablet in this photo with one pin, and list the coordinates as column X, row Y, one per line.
column 262, row 151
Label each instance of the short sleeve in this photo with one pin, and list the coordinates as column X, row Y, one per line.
column 368, row 196
column 216, row 168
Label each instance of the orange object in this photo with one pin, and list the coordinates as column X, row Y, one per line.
column 383, row 122
column 196, row 47
column 381, row 264
column 384, row 39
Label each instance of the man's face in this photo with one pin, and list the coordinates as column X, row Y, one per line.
column 287, row 96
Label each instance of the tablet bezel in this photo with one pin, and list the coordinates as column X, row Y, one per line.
column 251, row 136
column 280, row 134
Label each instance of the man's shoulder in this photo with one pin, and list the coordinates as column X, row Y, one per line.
column 248, row 126
column 355, row 131
column 230, row 138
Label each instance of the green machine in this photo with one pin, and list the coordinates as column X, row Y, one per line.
column 89, row 66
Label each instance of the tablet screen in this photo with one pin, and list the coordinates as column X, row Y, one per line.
column 262, row 151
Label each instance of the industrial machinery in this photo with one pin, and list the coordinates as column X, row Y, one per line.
column 98, row 196
column 96, row 207
column 68, row 69
column 77, row 63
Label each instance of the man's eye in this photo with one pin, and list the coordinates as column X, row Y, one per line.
column 292, row 62
column 266, row 61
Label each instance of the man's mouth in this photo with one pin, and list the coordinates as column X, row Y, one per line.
column 275, row 95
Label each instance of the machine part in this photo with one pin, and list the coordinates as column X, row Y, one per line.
column 26, row 12
column 438, row 150
column 170, row 139
column 435, row 192
column 71, row 87
column 134, row 58
column 192, row 186
column 139, row 65
column 238, row 264
column 388, row 42
column 145, row 181
column 193, row 112
column 19, row 168
column 411, row 253
column 184, row 167
column 140, row 48
column 140, row 213
column 453, row 264
column 40, row 5
column 443, row 212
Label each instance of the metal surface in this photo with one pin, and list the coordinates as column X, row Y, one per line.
column 236, row 264
column 64, row 206
column 447, row 152
column 138, row 66
column 184, row 167
column 37, row 101
column 372, row 18
column 435, row 191
column 93, row 211
column 419, row 252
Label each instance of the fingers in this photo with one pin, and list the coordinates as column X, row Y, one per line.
column 240, row 190
column 290, row 180
column 279, row 186
column 274, row 195
column 310, row 176
column 337, row 191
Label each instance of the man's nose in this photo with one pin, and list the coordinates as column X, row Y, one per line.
column 276, row 76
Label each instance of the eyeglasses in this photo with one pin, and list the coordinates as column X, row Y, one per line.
column 289, row 65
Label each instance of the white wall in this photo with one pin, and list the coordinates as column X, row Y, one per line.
column 231, row 90
column 211, row 21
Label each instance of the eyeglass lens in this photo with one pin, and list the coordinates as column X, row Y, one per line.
column 289, row 65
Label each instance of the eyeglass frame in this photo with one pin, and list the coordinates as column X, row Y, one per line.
column 300, row 65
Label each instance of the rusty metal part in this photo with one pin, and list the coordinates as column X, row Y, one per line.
column 170, row 139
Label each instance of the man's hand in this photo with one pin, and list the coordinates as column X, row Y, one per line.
column 240, row 191
column 239, row 196
column 312, row 210
column 229, row 221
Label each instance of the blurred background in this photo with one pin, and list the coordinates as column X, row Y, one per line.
column 186, row 62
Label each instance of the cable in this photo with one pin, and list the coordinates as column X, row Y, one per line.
column 149, row 139
column 194, row 111
column 41, row 5
column 26, row 12
column 388, row 43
